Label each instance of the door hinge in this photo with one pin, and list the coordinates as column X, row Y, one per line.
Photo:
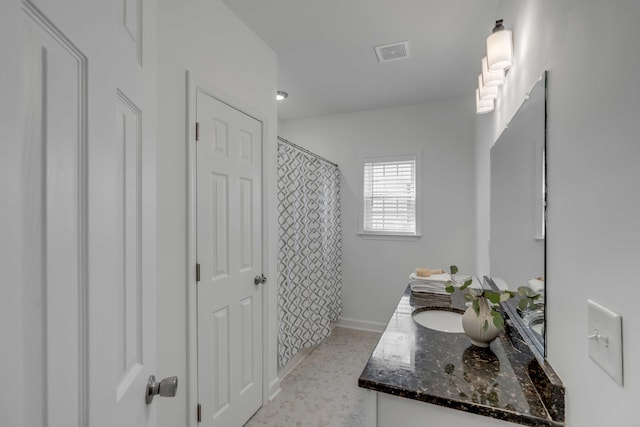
column 199, row 414
column 197, row 131
column 197, row 272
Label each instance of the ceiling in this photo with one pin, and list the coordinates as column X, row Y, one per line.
column 327, row 63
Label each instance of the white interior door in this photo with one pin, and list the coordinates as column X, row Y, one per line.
column 88, row 175
column 229, row 242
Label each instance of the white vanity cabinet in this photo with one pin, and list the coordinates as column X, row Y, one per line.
column 385, row 410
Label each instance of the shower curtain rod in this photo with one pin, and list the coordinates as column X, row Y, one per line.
column 306, row 151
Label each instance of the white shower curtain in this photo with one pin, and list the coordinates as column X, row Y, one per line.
column 310, row 254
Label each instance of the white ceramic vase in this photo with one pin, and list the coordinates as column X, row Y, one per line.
column 474, row 324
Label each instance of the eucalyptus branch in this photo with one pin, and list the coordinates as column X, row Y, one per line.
column 472, row 295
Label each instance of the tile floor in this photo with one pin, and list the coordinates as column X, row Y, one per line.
column 322, row 391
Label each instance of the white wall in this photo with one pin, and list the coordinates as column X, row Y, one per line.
column 590, row 49
column 206, row 38
column 375, row 272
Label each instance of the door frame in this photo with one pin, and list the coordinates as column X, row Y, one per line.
column 269, row 294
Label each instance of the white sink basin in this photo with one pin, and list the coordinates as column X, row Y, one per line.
column 536, row 323
column 440, row 320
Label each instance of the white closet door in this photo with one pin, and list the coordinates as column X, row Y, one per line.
column 229, row 251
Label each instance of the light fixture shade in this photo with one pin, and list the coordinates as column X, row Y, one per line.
column 485, row 93
column 491, row 78
column 483, row 106
column 499, row 48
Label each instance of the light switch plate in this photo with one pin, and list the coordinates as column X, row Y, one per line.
column 605, row 339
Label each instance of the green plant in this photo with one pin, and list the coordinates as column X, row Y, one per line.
column 473, row 295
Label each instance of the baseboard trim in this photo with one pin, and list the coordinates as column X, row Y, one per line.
column 273, row 389
column 294, row 361
column 362, row 325
column 301, row 354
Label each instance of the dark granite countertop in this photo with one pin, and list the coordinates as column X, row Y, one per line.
column 445, row 369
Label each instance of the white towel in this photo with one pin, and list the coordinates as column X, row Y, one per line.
column 429, row 288
column 536, row 285
column 437, row 286
column 434, row 284
column 434, row 278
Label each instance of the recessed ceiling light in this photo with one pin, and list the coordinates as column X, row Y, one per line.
column 281, row 95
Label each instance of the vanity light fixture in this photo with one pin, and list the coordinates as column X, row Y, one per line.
column 491, row 78
column 499, row 48
column 494, row 67
column 483, row 105
column 281, row 95
column 486, row 92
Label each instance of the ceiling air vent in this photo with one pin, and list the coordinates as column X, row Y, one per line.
column 392, row 51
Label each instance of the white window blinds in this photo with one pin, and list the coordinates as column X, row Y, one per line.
column 390, row 196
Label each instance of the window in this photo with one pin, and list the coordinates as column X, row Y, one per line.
column 389, row 196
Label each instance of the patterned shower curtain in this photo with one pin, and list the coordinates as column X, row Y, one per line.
column 310, row 253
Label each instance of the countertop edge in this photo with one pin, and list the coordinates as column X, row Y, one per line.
column 472, row 408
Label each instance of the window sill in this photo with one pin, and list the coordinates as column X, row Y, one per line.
column 388, row 236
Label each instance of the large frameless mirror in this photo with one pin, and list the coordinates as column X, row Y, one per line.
column 518, row 209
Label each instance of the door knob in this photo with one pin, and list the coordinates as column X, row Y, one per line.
column 260, row 279
column 168, row 387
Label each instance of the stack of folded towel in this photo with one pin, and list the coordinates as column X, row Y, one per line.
column 431, row 281
column 537, row 285
column 429, row 299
